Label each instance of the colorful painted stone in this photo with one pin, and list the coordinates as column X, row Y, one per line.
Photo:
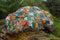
column 29, row 16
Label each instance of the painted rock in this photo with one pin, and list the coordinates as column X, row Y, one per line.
column 29, row 16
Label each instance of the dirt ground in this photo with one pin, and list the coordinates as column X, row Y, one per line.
column 30, row 36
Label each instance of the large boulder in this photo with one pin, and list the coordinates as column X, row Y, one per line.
column 29, row 17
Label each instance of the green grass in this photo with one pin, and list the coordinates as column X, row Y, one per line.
column 57, row 27
column 52, row 36
column 1, row 20
column 56, row 32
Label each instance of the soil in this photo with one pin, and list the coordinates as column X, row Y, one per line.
column 31, row 35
